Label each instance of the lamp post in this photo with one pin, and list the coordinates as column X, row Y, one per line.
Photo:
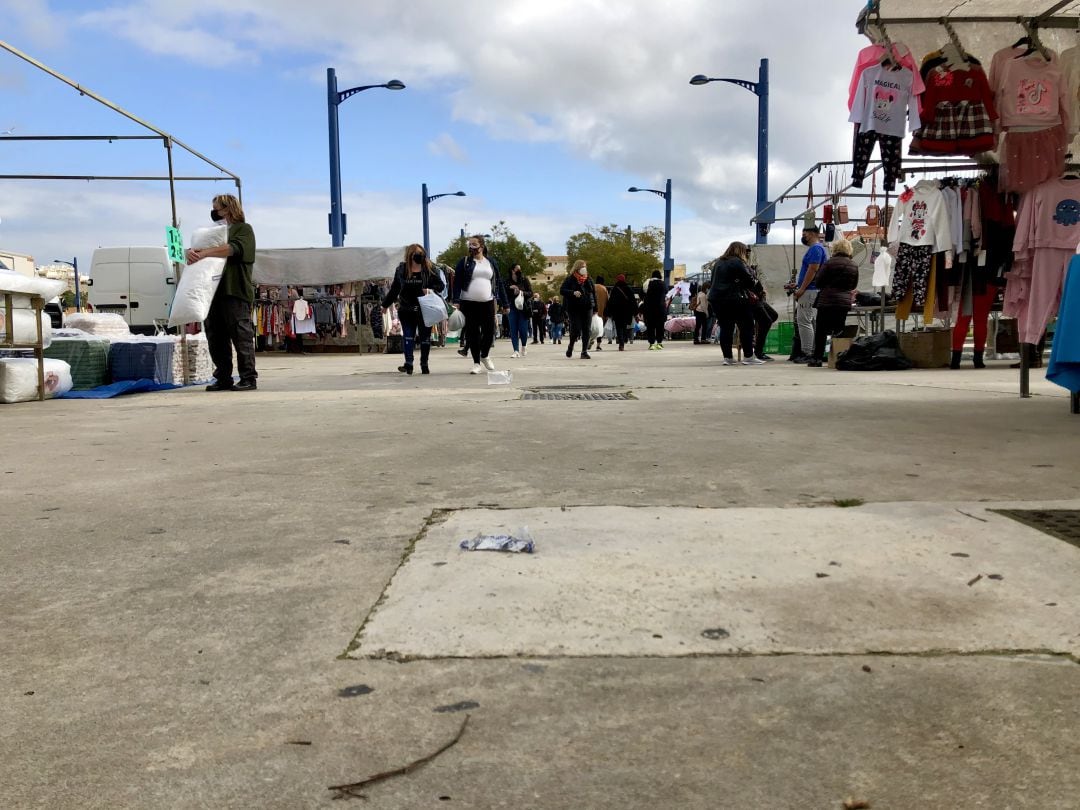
column 74, row 263
column 333, row 99
column 666, row 194
column 760, row 88
column 425, row 199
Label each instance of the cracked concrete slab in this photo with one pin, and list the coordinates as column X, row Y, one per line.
column 620, row 581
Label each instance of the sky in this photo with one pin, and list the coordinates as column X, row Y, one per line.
column 543, row 112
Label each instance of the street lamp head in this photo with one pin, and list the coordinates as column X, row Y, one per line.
column 394, row 84
column 700, row 79
column 458, row 194
column 633, row 188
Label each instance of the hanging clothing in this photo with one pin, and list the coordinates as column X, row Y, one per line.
column 885, row 102
column 891, row 148
column 303, row 319
column 1064, row 368
column 1047, row 233
column 921, row 225
column 872, row 55
column 957, row 110
column 1032, row 99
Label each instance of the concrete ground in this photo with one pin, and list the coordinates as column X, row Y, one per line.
column 236, row 600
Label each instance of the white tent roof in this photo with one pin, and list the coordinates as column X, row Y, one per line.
column 983, row 26
column 321, row 266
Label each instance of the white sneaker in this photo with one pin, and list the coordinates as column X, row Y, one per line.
column 476, row 369
column 515, row 354
column 729, row 361
column 522, row 351
column 753, row 361
column 490, row 366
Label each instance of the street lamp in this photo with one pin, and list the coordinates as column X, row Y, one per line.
column 425, row 200
column 666, row 194
column 760, row 88
column 74, row 264
column 333, row 99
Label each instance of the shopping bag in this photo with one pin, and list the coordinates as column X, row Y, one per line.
column 432, row 309
column 597, row 327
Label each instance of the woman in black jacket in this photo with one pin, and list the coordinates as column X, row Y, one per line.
column 654, row 307
column 621, row 309
column 520, row 319
column 414, row 277
column 729, row 297
column 835, row 281
column 579, row 296
column 478, row 290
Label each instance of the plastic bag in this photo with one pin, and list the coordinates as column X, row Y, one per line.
column 500, row 377
column 519, row 301
column 19, row 379
column 24, row 327
column 199, row 282
column 597, row 328
column 519, row 541
column 457, row 321
column 432, row 309
column 13, row 282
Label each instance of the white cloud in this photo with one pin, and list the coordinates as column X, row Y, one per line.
column 606, row 79
column 446, row 146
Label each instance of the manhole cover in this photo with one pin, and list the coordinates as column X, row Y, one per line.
column 1064, row 524
column 573, row 387
column 600, row 396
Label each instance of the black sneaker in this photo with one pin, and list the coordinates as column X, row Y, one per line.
column 463, row 352
column 216, row 386
column 585, row 356
column 248, row 385
column 407, row 368
column 802, row 359
column 766, row 358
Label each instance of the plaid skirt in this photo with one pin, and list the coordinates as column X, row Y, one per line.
column 956, row 128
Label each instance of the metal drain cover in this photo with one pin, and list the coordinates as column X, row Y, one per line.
column 602, row 396
column 1064, row 524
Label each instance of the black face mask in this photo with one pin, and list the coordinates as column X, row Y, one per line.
column 474, row 251
column 418, row 258
column 806, row 240
column 214, row 215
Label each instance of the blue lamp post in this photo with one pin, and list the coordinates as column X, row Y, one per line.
column 74, row 266
column 333, row 99
column 425, row 200
column 666, row 194
column 760, row 88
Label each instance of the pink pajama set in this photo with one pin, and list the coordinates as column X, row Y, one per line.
column 1047, row 234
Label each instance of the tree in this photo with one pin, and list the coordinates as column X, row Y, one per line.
column 609, row 251
column 503, row 246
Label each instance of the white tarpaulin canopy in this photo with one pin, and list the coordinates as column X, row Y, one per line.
column 320, row 266
column 982, row 26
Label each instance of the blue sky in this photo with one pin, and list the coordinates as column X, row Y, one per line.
column 543, row 113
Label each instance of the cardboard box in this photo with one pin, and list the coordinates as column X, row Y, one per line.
column 839, row 344
column 927, row 348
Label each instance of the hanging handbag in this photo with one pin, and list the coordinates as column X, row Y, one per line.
column 827, row 209
column 841, row 209
column 873, row 210
column 810, row 217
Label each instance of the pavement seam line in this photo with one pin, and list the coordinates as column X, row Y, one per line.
column 932, row 653
column 438, row 515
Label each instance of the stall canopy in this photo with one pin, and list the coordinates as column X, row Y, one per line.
column 311, row 267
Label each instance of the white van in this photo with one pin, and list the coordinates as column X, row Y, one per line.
column 136, row 282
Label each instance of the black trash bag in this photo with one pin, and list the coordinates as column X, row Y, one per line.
column 874, row 353
column 867, row 299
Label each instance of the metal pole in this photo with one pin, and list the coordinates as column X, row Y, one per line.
column 424, row 205
column 78, row 298
column 667, row 233
column 172, row 180
column 337, row 218
column 762, row 145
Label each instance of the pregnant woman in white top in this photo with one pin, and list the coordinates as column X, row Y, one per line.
column 478, row 289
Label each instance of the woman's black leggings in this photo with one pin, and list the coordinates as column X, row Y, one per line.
column 731, row 312
column 829, row 321
column 479, row 327
column 580, row 326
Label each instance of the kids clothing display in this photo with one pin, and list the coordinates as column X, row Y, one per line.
column 873, row 55
column 921, row 224
column 1032, row 98
column 884, row 104
column 1047, row 234
column 957, row 109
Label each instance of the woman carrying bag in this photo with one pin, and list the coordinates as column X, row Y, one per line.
column 729, row 297
column 413, row 278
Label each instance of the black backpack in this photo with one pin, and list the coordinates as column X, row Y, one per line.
column 874, row 353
